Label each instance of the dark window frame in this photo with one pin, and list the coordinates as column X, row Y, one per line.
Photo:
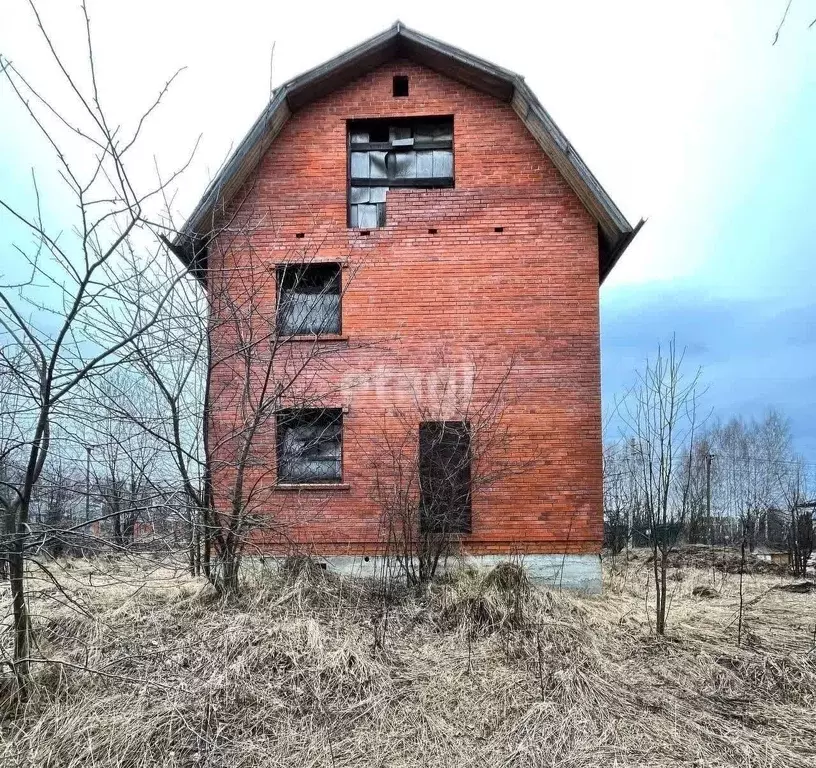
column 282, row 273
column 443, row 435
column 425, row 182
column 291, row 418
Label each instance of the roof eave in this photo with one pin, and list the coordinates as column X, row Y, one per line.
column 251, row 148
column 607, row 262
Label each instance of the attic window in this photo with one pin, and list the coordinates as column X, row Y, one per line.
column 393, row 153
column 400, row 86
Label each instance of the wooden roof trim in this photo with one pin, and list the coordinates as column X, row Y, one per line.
column 454, row 62
column 235, row 170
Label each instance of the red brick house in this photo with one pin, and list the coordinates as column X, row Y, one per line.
column 450, row 228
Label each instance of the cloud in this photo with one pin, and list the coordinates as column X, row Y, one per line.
column 754, row 354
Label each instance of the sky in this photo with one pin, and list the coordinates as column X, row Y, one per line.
column 686, row 113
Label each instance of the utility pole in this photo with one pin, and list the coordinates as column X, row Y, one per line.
column 708, row 458
column 87, row 483
column 708, row 485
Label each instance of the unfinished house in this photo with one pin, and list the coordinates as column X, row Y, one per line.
column 403, row 259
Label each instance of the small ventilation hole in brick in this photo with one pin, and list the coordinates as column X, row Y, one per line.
column 432, row 231
column 300, row 235
column 498, row 229
column 364, row 233
column 400, row 86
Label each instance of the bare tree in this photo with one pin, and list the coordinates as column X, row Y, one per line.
column 623, row 505
column 127, row 459
column 698, row 467
column 798, row 492
column 65, row 311
column 784, row 19
column 270, row 384
column 749, row 456
column 56, row 496
column 164, row 398
column 661, row 415
column 14, row 415
column 246, row 341
column 436, row 451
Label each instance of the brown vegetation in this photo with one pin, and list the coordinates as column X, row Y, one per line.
column 722, row 559
column 480, row 669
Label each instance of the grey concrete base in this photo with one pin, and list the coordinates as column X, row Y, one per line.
column 574, row 572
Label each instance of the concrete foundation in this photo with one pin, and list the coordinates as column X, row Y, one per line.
column 574, row 572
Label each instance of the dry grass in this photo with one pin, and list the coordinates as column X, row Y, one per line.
column 482, row 670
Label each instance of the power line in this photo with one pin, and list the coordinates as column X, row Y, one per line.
column 763, row 460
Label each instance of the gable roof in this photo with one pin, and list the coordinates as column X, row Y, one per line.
column 399, row 41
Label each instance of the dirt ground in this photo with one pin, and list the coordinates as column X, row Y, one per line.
column 149, row 668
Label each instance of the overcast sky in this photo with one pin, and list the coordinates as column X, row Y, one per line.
column 684, row 111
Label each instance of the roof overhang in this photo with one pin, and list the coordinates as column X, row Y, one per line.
column 615, row 232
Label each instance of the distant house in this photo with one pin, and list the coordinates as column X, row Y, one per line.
column 771, row 555
column 477, row 228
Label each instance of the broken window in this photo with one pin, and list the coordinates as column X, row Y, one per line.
column 444, row 476
column 384, row 154
column 308, row 299
column 310, row 445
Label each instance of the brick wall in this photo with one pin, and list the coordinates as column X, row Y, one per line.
column 420, row 306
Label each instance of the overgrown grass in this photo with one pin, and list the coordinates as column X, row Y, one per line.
column 482, row 669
